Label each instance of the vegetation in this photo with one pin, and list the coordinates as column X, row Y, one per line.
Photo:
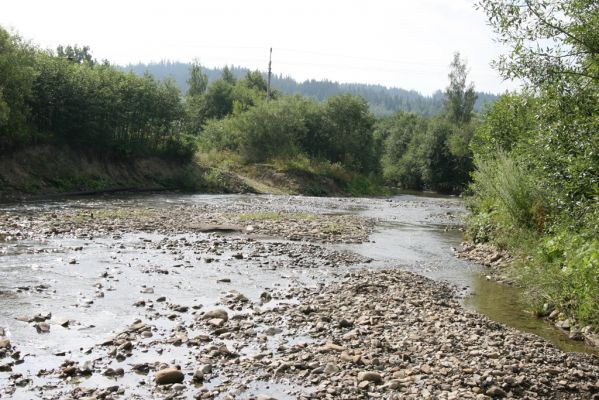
column 68, row 98
column 431, row 153
column 536, row 153
column 382, row 101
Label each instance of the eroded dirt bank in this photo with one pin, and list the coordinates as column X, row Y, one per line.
column 247, row 298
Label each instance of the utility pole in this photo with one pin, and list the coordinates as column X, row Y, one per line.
column 269, row 74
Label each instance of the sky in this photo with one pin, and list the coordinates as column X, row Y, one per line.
column 395, row 43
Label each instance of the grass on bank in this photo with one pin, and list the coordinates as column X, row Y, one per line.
column 556, row 259
column 314, row 177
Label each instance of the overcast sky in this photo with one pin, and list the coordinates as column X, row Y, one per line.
column 401, row 43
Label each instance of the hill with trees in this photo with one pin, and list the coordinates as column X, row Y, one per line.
column 383, row 101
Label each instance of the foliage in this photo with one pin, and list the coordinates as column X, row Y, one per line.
column 75, row 54
column 431, row 153
column 511, row 187
column 348, row 133
column 564, row 272
column 338, row 131
column 537, row 152
column 70, row 99
column 382, row 101
column 16, row 80
column 459, row 97
column 198, row 81
column 552, row 42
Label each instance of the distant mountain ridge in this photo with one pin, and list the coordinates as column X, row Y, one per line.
column 382, row 100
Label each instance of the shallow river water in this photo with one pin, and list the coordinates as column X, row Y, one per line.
column 415, row 233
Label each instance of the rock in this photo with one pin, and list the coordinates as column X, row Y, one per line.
column 496, row 391
column 576, row 334
column 198, row 376
column 206, row 369
column 4, row 344
column 271, row 331
column 216, row 322
column 218, row 313
column 178, row 387
column 265, row 397
column 332, row 347
column 265, row 297
column 345, row 324
column 565, row 324
column 24, row 318
column 331, row 369
column 370, row 376
column 42, row 327
column 168, row 376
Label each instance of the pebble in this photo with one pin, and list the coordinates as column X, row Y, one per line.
column 168, row 376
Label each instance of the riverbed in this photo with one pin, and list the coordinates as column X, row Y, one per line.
column 98, row 295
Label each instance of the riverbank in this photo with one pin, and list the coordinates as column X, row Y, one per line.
column 53, row 170
column 250, row 297
column 44, row 171
column 501, row 269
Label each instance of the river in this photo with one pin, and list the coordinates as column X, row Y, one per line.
column 89, row 280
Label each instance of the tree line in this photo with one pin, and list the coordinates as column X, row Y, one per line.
column 66, row 97
column 382, row 101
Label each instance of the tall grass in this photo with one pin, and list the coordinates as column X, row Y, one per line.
column 511, row 188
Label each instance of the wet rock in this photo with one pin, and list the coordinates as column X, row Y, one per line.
column 576, row 334
column 168, row 376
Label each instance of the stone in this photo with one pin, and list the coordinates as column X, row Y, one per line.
column 496, row 391
column 564, row 324
column 216, row 313
column 216, row 322
column 331, row 369
column 42, row 327
column 332, row 347
column 4, row 344
column 370, row 376
column 345, row 323
column 198, row 376
column 168, row 376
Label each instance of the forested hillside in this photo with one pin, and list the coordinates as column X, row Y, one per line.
column 382, row 101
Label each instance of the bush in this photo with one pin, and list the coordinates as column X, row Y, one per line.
column 565, row 272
